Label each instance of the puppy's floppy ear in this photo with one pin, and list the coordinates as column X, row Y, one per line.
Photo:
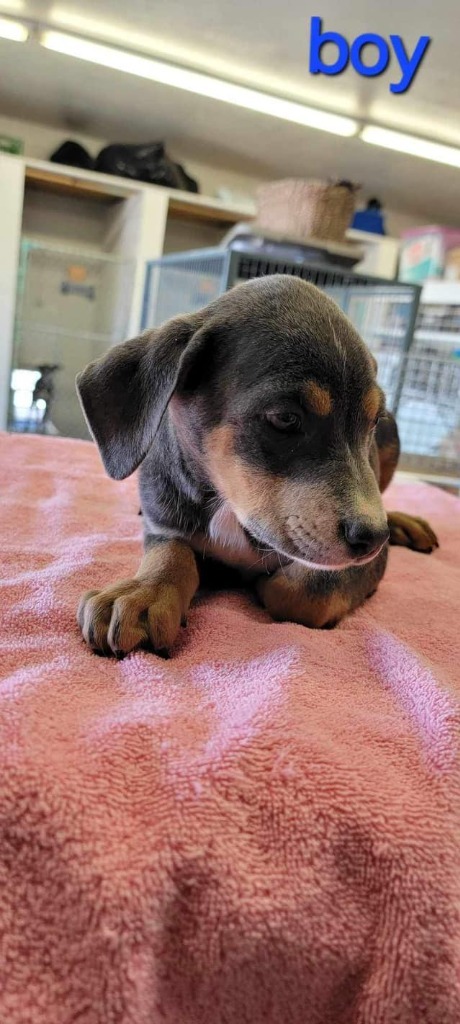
column 125, row 393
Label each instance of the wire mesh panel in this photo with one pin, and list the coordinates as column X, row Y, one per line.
column 422, row 388
column 245, row 265
column 384, row 317
column 71, row 307
column 183, row 283
column 383, row 313
column 428, row 415
column 440, row 319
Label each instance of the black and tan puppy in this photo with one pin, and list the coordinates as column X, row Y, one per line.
column 263, row 444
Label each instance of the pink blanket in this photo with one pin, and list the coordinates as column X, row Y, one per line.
column 263, row 830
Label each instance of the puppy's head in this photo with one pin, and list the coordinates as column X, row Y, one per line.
column 273, row 394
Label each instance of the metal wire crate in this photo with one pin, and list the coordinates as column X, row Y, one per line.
column 423, row 391
column 383, row 312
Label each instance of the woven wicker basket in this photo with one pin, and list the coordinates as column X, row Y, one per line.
column 308, row 209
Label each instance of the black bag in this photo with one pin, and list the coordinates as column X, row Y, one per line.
column 149, row 163
column 74, row 155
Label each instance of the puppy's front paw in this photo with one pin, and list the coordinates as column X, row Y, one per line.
column 411, row 532
column 131, row 614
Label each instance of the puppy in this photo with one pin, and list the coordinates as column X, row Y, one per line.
column 263, row 445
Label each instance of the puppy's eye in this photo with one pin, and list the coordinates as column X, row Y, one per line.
column 289, row 422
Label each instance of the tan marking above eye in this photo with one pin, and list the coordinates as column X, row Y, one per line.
column 318, row 398
column 372, row 403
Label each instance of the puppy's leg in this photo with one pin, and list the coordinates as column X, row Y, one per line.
column 146, row 610
column 319, row 599
column 411, row 532
column 405, row 531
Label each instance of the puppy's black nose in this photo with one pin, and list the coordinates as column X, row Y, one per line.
column 362, row 536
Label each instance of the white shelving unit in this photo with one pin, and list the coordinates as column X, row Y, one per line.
column 99, row 215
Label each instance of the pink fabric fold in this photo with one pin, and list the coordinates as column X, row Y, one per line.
column 264, row 829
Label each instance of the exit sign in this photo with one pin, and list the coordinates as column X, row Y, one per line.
column 10, row 145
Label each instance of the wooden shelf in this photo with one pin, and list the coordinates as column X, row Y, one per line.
column 104, row 188
column 62, row 183
column 205, row 212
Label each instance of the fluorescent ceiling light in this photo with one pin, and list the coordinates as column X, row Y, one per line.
column 412, row 145
column 13, row 30
column 198, row 83
column 12, row 7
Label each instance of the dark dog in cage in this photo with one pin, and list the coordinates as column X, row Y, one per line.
column 44, row 388
column 264, row 445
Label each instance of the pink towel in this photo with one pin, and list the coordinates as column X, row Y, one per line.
column 263, row 830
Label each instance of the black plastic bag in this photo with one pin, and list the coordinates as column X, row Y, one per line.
column 74, row 155
column 149, row 163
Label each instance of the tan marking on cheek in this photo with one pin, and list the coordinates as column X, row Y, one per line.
column 318, row 398
column 372, row 402
column 246, row 487
column 270, row 500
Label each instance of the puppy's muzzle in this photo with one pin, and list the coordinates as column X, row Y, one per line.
column 363, row 538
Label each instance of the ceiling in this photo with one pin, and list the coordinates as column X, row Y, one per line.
column 264, row 44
